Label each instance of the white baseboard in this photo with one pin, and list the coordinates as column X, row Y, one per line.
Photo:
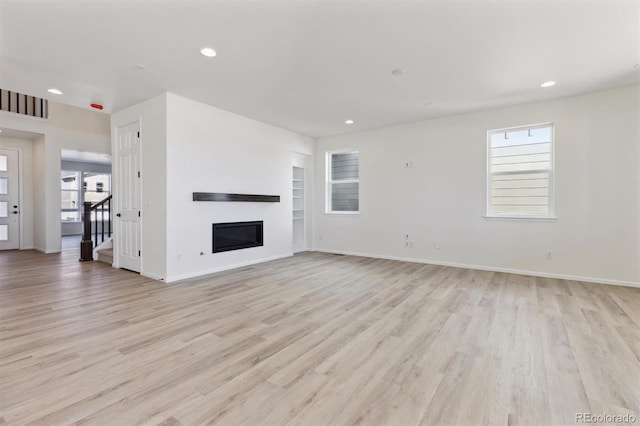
column 226, row 267
column 144, row 274
column 490, row 268
column 28, row 248
column 41, row 250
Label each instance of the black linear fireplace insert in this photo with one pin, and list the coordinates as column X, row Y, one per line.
column 236, row 235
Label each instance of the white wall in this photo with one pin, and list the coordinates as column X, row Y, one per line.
column 67, row 128
column 152, row 115
column 40, row 195
column 442, row 199
column 211, row 150
column 25, row 148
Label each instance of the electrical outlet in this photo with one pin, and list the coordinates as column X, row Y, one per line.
column 408, row 244
column 406, row 237
column 549, row 255
column 408, row 164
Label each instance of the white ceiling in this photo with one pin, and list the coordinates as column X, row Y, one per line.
column 308, row 65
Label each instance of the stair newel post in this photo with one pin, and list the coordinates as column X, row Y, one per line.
column 86, row 246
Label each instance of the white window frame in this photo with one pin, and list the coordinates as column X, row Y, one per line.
column 513, row 216
column 329, row 183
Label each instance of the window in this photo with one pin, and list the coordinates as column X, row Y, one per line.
column 520, row 172
column 70, row 197
column 95, row 187
column 343, row 182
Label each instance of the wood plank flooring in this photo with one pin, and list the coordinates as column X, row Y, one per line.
column 315, row 339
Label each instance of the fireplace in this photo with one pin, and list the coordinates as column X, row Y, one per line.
column 236, row 236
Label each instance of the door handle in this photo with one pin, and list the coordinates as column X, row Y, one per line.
column 118, row 214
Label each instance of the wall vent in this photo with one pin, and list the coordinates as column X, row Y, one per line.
column 23, row 104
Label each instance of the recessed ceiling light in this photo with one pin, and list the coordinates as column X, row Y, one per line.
column 548, row 84
column 348, row 122
column 208, row 52
column 397, row 71
column 55, row 91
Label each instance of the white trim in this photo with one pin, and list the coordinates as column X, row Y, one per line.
column 490, row 268
column 226, row 267
column 342, row 213
column 525, row 126
column 522, row 218
column 30, row 117
column 144, row 274
column 46, row 251
column 27, row 248
column 21, row 198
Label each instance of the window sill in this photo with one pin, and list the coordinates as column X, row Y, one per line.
column 523, row 218
column 342, row 213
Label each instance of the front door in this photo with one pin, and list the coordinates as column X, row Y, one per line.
column 129, row 197
column 9, row 200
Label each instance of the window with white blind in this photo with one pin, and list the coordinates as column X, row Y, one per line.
column 520, row 172
column 343, row 181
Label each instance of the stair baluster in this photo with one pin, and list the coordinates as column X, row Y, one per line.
column 91, row 236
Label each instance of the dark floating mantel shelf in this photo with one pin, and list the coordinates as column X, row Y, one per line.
column 219, row 196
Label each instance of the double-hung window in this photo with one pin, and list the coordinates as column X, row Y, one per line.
column 520, row 172
column 343, row 182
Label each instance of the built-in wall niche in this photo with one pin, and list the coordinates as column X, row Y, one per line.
column 298, row 213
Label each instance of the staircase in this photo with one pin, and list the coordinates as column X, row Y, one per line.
column 106, row 255
column 97, row 231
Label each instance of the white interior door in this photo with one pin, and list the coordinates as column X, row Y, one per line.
column 9, row 200
column 129, row 199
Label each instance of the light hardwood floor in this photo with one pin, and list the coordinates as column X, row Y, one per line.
column 315, row 339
